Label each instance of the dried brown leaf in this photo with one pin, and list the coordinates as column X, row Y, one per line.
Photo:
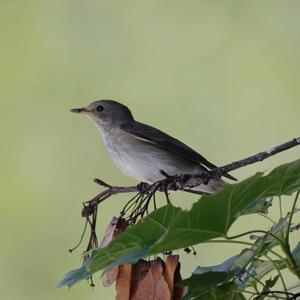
column 110, row 276
column 169, row 271
column 178, row 291
column 153, row 286
column 109, row 233
column 139, row 271
column 115, row 227
column 123, row 282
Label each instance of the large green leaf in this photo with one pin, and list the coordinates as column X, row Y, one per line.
column 206, row 279
column 226, row 291
column 245, row 268
column 170, row 227
column 259, row 268
column 266, row 289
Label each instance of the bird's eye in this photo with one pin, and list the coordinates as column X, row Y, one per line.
column 99, row 108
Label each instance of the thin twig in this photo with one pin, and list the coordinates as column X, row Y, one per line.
column 81, row 237
column 257, row 157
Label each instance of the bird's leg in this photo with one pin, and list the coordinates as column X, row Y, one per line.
column 183, row 181
column 184, row 178
column 170, row 183
column 143, row 187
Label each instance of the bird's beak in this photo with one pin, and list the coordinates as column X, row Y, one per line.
column 79, row 110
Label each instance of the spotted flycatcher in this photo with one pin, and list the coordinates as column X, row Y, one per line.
column 141, row 151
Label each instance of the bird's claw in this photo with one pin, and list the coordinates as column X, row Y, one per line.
column 142, row 187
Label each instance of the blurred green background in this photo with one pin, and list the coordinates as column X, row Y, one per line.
column 223, row 76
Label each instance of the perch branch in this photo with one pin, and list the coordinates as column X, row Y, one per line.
column 183, row 182
column 256, row 158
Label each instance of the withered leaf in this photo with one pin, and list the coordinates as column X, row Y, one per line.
column 110, row 276
column 169, row 271
column 115, row 227
column 123, row 283
column 139, row 271
column 153, row 286
column 172, row 276
column 109, row 233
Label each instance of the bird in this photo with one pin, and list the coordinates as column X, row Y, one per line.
column 141, row 151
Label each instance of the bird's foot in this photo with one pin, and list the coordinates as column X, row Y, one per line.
column 142, row 187
column 170, row 183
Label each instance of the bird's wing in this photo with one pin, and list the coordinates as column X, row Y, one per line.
column 166, row 142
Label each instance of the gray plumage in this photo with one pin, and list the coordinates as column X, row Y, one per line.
column 141, row 151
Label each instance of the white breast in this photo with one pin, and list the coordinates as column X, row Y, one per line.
column 141, row 160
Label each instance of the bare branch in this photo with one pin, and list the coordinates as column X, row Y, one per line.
column 183, row 182
column 257, row 157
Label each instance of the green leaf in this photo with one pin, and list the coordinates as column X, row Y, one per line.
column 206, row 279
column 259, row 206
column 170, row 227
column 246, row 267
column 279, row 230
column 259, row 269
column 198, row 285
column 263, row 245
column 234, row 268
column 226, row 291
column 270, row 283
column 74, row 276
column 266, row 290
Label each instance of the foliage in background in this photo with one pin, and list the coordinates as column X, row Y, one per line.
column 254, row 271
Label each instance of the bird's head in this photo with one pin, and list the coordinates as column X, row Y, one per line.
column 106, row 113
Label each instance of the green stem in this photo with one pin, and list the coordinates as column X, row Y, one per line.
column 244, row 233
column 255, row 294
column 269, row 258
column 291, row 264
column 280, row 207
column 279, row 272
column 245, row 243
column 268, row 218
column 293, row 268
column 256, row 231
column 286, row 245
column 291, row 217
column 281, row 217
column 257, row 280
